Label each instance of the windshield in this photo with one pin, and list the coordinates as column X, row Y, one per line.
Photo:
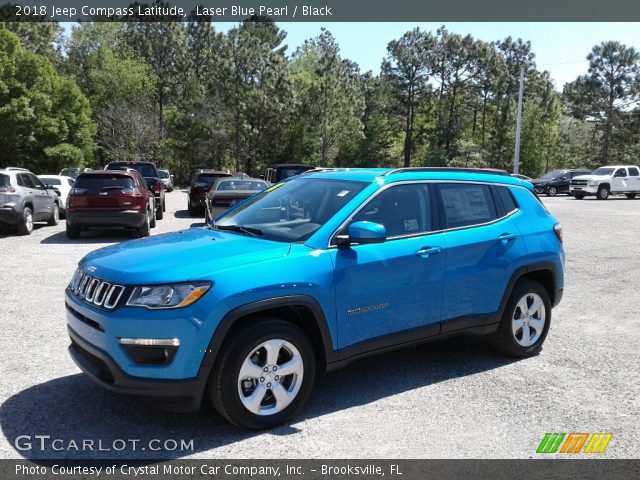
column 292, row 211
column 602, row 171
column 209, row 178
column 552, row 174
column 256, row 185
column 145, row 169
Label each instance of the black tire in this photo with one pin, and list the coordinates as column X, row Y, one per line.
column 145, row 229
column 55, row 216
column 73, row 232
column 552, row 192
column 152, row 221
column 159, row 213
column 223, row 383
column 603, row 193
column 630, row 196
column 25, row 225
column 504, row 339
column 578, row 196
column 191, row 209
column 164, row 205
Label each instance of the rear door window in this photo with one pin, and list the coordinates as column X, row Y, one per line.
column 466, row 204
column 103, row 182
column 25, row 181
column 633, row 172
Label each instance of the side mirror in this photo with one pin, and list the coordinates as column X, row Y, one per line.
column 363, row 232
column 562, row 178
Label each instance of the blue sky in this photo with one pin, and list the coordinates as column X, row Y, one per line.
column 560, row 48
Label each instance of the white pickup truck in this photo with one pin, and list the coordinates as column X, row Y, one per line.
column 605, row 181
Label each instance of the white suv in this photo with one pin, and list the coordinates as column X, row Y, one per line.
column 605, row 181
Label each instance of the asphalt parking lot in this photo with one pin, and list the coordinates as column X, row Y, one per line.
column 457, row 399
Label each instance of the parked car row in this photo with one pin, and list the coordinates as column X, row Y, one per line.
column 601, row 182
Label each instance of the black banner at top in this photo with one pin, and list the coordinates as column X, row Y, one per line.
column 324, row 10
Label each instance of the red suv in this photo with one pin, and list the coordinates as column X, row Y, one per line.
column 201, row 183
column 110, row 198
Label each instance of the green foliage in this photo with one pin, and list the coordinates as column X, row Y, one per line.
column 39, row 110
column 185, row 96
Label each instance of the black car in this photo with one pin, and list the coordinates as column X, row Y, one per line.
column 150, row 173
column 280, row 171
column 557, row 181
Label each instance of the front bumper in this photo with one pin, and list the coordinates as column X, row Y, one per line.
column 9, row 216
column 583, row 189
column 106, row 218
column 178, row 395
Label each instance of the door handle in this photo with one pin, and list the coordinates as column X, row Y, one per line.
column 426, row 251
column 506, row 237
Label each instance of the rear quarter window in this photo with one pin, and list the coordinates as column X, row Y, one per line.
column 506, row 199
column 466, row 204
column 5, row 181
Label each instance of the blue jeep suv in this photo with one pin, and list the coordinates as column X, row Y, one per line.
column 310, row 274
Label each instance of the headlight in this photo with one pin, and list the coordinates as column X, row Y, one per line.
column 593, row 183
column 167, row 296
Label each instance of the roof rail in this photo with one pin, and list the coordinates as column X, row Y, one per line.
column 445, row 169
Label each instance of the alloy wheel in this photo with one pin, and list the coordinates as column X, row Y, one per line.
column 270, row 377
column 528, row 319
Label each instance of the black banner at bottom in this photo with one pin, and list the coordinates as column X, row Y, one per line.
column 203, row 469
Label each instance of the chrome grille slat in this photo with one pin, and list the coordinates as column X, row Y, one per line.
column 95, row 291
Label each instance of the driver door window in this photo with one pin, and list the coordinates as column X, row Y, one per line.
column 402, row 210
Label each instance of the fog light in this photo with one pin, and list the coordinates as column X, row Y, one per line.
column 150, row 351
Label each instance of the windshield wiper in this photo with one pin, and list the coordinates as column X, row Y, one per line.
column 239, row 228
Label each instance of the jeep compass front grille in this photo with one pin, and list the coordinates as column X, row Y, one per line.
column 95, row 291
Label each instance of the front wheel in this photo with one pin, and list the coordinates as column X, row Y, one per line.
column 603, row 193
column 552, row 192
column 525, row 322
column 264, row 376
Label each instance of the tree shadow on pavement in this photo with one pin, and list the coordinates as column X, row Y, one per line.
column 74, row 408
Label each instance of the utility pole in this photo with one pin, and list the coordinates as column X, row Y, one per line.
column 516, row 157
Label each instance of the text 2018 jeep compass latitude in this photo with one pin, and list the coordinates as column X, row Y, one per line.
column 314, row 272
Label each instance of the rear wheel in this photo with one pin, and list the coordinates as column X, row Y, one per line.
column 603, row 192
column 552, row 192
column 73, row 232
column 191, row 209
column 159, row 212
column 55, row 216
column 25, row 226
column 164, row 205
column 152, row 222
column 631, row 196
column 145, row 229
column 525, row 321
column 264, row 375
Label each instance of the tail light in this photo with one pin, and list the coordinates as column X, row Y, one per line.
column 77, row 191
column 557, row 228
column 133, row 191
column 8, row 189
column 158, row 188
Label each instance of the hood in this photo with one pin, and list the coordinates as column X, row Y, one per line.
column 592, row 177
column 178, row 256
